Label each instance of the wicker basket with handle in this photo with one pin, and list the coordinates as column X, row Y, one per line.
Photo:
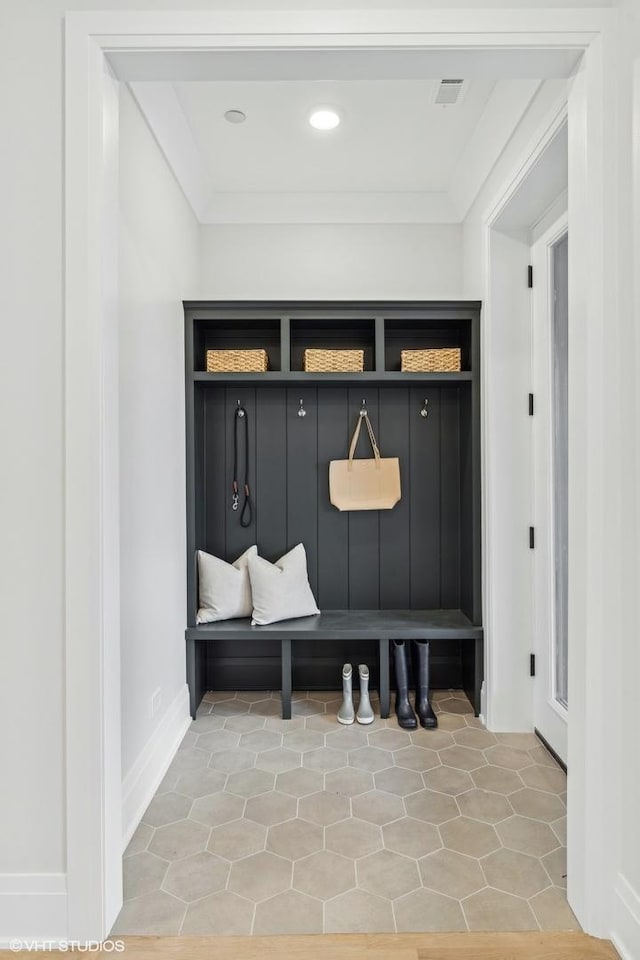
column 435, row 360
column 237, row 361
column 333, row 361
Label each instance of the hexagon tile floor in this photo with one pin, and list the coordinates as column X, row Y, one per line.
column 271, row 826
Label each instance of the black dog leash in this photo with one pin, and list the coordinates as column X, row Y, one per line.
column 245, row 513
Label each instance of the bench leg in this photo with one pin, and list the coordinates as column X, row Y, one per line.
column 383, row 666
column 285, row 660
column 192, row 678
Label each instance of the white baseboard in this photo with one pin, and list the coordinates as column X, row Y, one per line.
column 33, row 906
column 625, row 934
column 145, row 776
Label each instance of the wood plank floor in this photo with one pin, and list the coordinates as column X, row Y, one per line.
column 433, row 946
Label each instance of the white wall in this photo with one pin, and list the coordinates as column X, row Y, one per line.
column 158, row 263
column 626, row 924
column 32, row 705
column 332, row 261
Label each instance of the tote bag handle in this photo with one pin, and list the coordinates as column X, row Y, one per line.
column 356, row 435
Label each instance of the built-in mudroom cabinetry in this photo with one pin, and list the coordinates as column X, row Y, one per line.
column 414, row 569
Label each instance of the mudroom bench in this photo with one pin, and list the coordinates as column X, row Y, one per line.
column 373, row 625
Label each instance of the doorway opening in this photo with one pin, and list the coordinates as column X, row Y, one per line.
column 299, row 803
column 73, row 249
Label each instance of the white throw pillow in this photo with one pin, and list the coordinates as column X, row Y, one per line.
column 281, row 590
column 224, row 588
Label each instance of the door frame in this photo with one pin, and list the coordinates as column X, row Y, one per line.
column 91, row 508
column 544, row 592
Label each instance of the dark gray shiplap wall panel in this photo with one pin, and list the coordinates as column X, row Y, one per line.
column 302, row 476
column 333, row 525
column 425, row 500
column 395, row 525
column 364, row 527
column 270, row 475
column 217, row 499
column 416, row 555
column 449, row 498
column 240, row 538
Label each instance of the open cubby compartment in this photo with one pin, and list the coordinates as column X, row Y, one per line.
column 236, row 333
column 332, row 333
column 422, row 334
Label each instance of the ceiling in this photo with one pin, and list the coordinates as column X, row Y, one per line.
column 392, row 136
column 397, row 156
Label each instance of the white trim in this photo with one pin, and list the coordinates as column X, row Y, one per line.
column 94, row 832
column 145, row 776
column 498, row 644
column 33, row 883
column 166, row 119
column 626, row 924
column 491, row 135
column 32, row 906
column 543, row 502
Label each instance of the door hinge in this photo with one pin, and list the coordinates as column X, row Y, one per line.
column 532, row 538
column 530, row 275
column 532, row 665
column 530, row 404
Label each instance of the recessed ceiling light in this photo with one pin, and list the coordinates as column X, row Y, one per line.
column 324, row 118
column 235, row 116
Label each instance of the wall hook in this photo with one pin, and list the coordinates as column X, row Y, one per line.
column 239, row 410
column 302, row 412
column 425, row 412
column 363, row 409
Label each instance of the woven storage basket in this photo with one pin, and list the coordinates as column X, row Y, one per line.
column 334, row 361
column 237, row 361
column 439, row 360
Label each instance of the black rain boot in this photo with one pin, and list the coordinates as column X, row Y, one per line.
column 404, row 712
column 427, row 717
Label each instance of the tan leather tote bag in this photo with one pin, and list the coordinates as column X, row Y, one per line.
column 364, row 484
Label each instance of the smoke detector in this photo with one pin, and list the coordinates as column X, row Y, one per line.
column 449, row 92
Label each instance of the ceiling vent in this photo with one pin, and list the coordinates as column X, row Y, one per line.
column 449, row 91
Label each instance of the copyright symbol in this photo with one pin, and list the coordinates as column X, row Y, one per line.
column 15, row 945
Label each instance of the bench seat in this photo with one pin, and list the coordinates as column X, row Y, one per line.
column 379, row 625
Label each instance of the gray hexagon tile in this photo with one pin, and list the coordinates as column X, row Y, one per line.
column 200, row 783
column 244, row 723
column 324, row 759
column 193, row 878
column 237, row 839
column 353, row 838
column 216, row 809
column 178, row 840
column 218, row 740
column 291, row 910
column 324, row 875
column 261, row 876
column 348, row 782
column 278, row 760
column 142, row 873
column 223, row 914
column 358, row 912
column 299, row 783
column 295, row 839
column 388, row 874
column 250, row 783
column 167, row 808
column 324, row 808
column 271, row 826
column 270, row 808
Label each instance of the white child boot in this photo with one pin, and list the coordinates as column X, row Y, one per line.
column 365, row 710
column 346, row 713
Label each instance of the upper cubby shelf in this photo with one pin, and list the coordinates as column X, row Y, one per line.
column 286, row 330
